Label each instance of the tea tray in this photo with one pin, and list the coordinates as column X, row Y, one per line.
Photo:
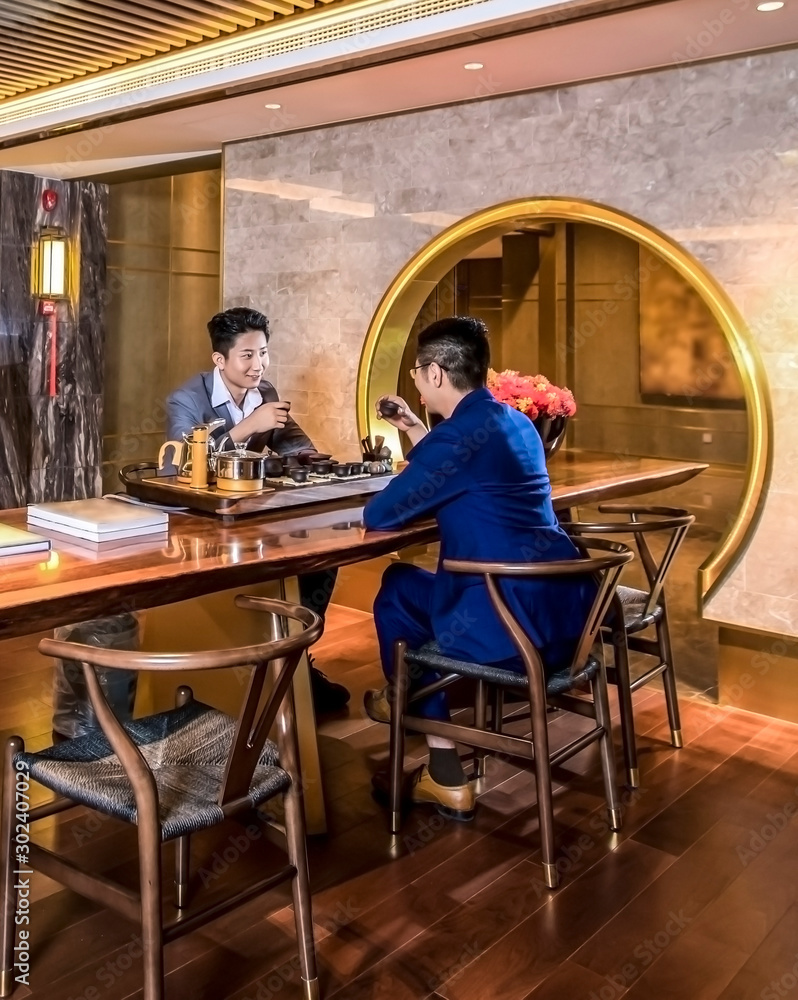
column 140, row 481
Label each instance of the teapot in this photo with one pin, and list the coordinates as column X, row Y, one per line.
column 239, row 470
column 198, row 443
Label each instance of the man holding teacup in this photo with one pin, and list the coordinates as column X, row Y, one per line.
column 237, row 392
column 236, row 389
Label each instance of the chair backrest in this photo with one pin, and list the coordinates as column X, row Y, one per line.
column 674, row 520
column 252, row 726
column 604, row 568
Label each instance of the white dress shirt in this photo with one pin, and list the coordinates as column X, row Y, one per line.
column 221, row 394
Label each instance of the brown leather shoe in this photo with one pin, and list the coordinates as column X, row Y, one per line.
column 455, row 802
column 376, row 705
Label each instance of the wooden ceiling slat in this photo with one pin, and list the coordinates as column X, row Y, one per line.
column 263, row 7
column 33, row 49
column 9, row 73
column 28, row 78
column 52, row 41
column 125, row 8
column 21, row 77
column 244, row 14
column 47, row 73
column 197, row 13
column 53, row 64
column 18, row 85
column 73, row 41
column 89, row 27
column 66, row 54
column 110, row 17
column 68, row 48
column 280, row 6
column 227, row 9
column 23, row 80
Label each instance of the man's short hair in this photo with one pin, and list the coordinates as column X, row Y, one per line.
column 226, row 327
column 460, row 346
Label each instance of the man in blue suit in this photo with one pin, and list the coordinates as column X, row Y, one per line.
column 481, row 473
column 253, row 415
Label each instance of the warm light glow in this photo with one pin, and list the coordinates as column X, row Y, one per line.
column 273, row 107
column 770, row 5
column 53, row 264
column 474, row 65
column 53, row 562
column 50, row 275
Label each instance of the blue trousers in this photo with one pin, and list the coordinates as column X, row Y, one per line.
column 403, row 610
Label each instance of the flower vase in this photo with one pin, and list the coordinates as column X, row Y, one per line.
column 551, row 431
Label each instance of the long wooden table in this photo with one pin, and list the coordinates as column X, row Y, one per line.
column 204, row 556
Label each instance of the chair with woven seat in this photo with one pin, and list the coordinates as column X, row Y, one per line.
column 557, row 690
column 172, row 775
column 640, row 610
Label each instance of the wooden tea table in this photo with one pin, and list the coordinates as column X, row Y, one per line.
column 205, row 556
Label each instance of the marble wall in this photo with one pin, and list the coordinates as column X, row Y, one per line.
column 317, row 224
column 50, row 445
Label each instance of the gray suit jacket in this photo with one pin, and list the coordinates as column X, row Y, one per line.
column 191, row 404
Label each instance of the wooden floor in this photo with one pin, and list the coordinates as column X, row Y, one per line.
column 696, row 898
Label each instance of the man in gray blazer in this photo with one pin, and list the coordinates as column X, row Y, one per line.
column 236, row 390
column 255, row 417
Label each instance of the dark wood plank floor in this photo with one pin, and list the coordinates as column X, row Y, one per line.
column 696, row 897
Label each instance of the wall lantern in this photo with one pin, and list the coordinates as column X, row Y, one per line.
column 51, row 265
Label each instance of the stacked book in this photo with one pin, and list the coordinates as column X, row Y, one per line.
column 18, row 542
column 101, row 522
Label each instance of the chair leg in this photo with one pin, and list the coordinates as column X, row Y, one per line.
column 398, row 700
column 151, row 920
column 669, row 681
column 183, row 696
column 296, row 843
column 497, row 709
column 602, row 703
column 480, row 722
column 14, row 745
column 621, row 657
column 182, row 867
column 540, row 739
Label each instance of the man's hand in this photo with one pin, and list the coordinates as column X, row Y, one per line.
column 403, row 419
column 266, row 417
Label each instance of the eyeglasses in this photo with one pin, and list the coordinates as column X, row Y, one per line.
column 426, row 365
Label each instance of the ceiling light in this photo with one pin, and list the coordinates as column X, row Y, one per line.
column 770, row 5
column 474, row 65
column 273, row 107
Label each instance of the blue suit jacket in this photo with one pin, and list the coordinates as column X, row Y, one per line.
column 191, row 404
column 482, row 474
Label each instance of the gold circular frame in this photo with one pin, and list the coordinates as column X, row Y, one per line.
column 390, row 326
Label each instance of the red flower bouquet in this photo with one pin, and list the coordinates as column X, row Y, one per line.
column 531, row 394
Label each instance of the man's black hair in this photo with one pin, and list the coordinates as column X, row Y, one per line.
column 460, row 346
column 226, row 327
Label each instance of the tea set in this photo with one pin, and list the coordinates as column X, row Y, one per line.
column 201, row 460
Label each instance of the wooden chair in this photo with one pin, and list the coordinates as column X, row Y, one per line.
column 586, row 669
column 634, row 611
column 171, row 775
